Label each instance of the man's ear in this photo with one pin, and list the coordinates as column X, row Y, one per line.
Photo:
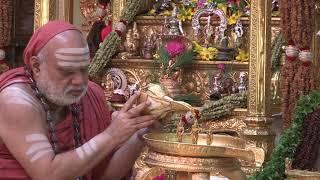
column 35, row 65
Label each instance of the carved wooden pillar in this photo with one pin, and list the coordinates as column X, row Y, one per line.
column 258, row 119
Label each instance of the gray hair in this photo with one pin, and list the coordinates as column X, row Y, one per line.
column 43, row 55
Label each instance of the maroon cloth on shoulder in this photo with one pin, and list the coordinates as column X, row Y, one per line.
column 95, row 116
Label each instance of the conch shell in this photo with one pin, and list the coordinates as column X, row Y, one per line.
column 161, row 105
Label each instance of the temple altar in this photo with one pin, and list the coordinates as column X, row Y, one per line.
column 223, row 60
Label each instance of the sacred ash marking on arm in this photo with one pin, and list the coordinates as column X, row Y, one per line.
column 39, row 146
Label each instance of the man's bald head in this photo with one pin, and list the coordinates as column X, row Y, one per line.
column 67, row 43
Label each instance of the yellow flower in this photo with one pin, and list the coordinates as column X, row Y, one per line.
column 186, row 14
column 152, row 12
column 189, row 13
column 206, row 55
column 156, row 56
column 223, row 7
column 234, row 18
column 242, row 56
column 196, row 47
column 165, row 13
column 181, row 17
column 213, row 50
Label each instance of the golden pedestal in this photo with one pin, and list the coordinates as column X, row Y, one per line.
column 197, row 161
column 302, row 175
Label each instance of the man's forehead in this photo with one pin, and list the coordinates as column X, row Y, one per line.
column 73, row 50
column 72, row 56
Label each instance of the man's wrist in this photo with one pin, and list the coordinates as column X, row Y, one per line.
column 142, row 132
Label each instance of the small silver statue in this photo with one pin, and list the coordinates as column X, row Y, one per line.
column 209, row 32
column 173, row 24
column 149, row 44
column 242, row 83
column 162, row 5
column 238, row 32
column 186, row 2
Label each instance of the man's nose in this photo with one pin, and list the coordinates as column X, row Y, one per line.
column 78, row 79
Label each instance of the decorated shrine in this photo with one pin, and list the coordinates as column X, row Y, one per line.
column 234, row 82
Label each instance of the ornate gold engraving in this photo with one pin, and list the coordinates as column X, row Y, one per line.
column 46, row 10
column 41, row 15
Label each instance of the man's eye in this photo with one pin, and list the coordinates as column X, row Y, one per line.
column 68, row 72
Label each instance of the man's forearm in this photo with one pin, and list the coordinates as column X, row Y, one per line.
column 78, row 162
column 124, row 158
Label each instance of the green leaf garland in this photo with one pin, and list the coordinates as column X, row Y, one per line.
column 275, row 168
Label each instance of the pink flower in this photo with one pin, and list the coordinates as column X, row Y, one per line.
column 201, row 3
column 175, row 47
column 161, row 177
column 221, row 66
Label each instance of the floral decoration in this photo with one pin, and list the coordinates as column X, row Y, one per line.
column 243, row 56
column 175, row 47
column 207, row 54
column 233, row 9
column 173, row 56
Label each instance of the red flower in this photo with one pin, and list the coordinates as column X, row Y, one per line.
column 106, row 31
column 175, row 47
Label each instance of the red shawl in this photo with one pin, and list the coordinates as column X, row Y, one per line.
column 96, row 117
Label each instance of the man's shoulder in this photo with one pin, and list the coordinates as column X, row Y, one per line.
column 19, row 95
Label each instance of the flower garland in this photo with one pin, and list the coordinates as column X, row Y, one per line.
column 109, row 46
column 275, row 168
column 297, row 18
column 211, row 110
column 276, row 51
column 216, row 109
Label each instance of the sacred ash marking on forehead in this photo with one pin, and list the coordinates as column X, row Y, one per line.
column 39, row 146
column 74, row 57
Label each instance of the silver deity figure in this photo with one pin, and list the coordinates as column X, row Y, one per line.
column 149, row 45
column 242, row 83
column 217, row 83
column 173, row 24
column 186, row 2
column 209, row 32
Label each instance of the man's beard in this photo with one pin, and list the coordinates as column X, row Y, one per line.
column 56, row 94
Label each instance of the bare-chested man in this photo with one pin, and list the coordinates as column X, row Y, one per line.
column 54, row 124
